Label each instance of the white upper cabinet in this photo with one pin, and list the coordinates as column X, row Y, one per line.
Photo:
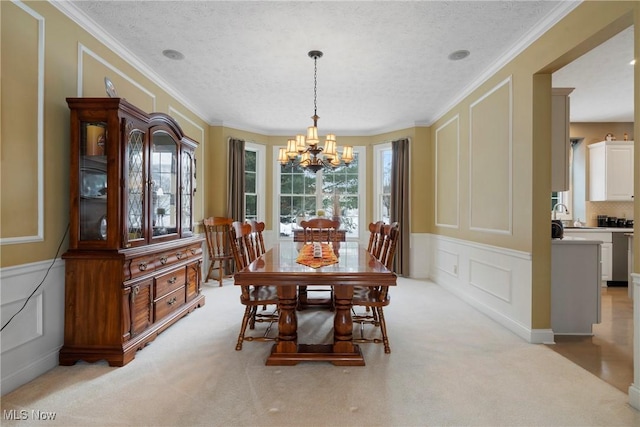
column 611, row 171
column 560, row 143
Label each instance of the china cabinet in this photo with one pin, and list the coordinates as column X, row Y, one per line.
column 611, row 171
column 133, row 267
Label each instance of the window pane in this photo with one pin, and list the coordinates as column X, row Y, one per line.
column 249, row 182
column 386, row 208
column 286, row 185
column 386, row 172
column 250, row 160
column 251, row 207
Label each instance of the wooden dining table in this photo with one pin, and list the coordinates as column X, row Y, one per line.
column 278, row 267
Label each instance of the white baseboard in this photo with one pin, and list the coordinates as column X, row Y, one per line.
column 634, row 396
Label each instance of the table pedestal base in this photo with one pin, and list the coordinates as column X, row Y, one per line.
column 316, row 353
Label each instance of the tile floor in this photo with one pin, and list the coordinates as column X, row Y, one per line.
column 607, row 354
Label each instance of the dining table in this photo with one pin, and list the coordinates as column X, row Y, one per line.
column 279, row 266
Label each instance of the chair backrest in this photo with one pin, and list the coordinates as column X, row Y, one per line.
column 320, row 230
column 390, row 234
column 257, row 228
column 241, row 246
column 216, row 230
column 375, row 238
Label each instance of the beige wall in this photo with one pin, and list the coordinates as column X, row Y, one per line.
column 72, row 59
column 528, row 111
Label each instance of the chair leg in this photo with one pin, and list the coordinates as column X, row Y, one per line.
column 245, row 321
column 252, row 317
column 383, row 329
column 220, row 272
column 210, row 272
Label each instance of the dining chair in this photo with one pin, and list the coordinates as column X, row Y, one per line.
column 375, row 238
column 252, row 297
column 376, row 297
column 220, row 257
column 321, row 230
column 257, row 227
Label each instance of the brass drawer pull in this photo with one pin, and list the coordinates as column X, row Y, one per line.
column 163, row 260
column 179, row 255
column 172, row 280
column 172, row 301
column 142, row 266
column 193, row 251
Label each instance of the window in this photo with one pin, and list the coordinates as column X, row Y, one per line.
column 254, row 181
column 332, row 192
column 382, row 189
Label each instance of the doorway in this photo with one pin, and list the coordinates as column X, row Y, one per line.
column 609, row 353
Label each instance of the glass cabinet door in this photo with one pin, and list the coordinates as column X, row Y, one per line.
column 188, row 187
column 164, row 184
column 93, row 181
column 134, row 203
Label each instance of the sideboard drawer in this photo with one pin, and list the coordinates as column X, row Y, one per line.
column 168, row 303
column 169, row 282
column 138, row 266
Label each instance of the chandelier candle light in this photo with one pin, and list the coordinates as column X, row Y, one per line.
column 307, row 149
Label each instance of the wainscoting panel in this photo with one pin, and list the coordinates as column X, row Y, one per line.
column 491, row 278
column 30, row 343
column 494, row 280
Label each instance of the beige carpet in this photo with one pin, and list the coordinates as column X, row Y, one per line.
column 450, row 366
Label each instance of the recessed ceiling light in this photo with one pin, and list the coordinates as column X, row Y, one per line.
column 458, row 55
column 173, row 54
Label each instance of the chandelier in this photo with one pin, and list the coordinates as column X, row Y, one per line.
column 305, row 151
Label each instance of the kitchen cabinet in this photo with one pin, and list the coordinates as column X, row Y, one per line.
column 560, row 142
column 133, row 264
column 606, row 248
column 613, row 249
column 611, row 171
column 575, row 285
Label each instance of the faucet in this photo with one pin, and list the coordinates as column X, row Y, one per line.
column 554, row 210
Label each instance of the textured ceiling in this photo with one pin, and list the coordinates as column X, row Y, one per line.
column 384, row 68
column 603, row 82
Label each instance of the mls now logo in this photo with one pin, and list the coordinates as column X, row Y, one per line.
column 17, row 415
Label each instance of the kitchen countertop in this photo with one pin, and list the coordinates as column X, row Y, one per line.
column 568, row 240
column 599, row 229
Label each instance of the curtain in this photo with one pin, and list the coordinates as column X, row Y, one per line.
column 235, row 193
column 400, row 202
